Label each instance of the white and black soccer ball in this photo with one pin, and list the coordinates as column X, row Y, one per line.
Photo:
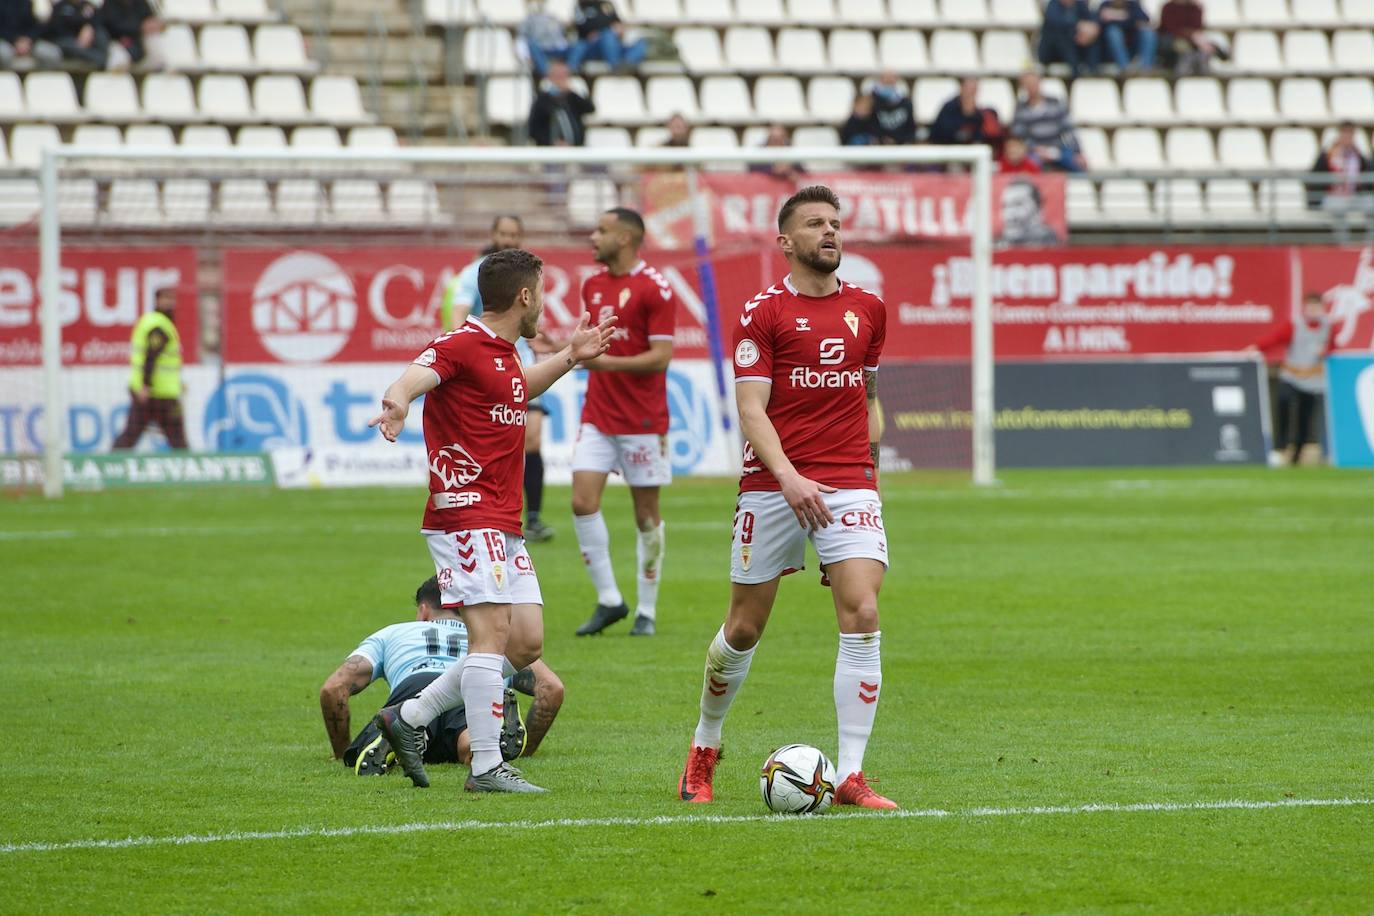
column 797, row 779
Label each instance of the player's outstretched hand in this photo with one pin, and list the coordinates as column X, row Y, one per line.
column 805, row 496
column 590, row 342
column 391, row 420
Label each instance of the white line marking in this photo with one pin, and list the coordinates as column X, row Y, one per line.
column 196, row 839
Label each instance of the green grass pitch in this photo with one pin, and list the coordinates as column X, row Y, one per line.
column 1070, row 638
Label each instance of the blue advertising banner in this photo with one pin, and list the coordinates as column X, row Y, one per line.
column 1350, row 409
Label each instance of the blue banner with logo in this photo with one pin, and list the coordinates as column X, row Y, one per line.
column 1350, row 409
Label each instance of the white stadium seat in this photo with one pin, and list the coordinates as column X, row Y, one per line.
column 903, row 50
column 700, row 50
column 915, row 12
column 1352, row 98
column 134, row 202
column 998, row 95
column 749, row 49
column 1126, row 200
column 11, row 97
column 186, row 201
column 964, row 12
column 206, row 136
column 112, row 97
column 931, row 94
column 179, row 48
column 356, row 201
column 261, row 136
column 619, row 100
column 450, row 12
column 167, row 97
column 225, row 47
column 197, row 11
column 1148, row 100
column 1231, row 199
column 802, row 51
column 374, row 137
column 1321, row 13
column 508, row 99
column 280, row 48
column 1256, row 52
column 754, row 135
column 244, row 10
column 853, row 51
column 588, row 198
column 651, row 137
column 608, row 137
column 1302, row 100
column 1198, row 100
column 1080, row 200
column 1306, row 51
column 315, row 137
column 1357, row 12
column 811, row 12
column 52, row 97
column 77, row 201
column 1137, row 148
column 19, row 201
column 1179, row 200
column 819, row 136
column 1242, row 148
column 503, row 12
column 870, row 13
column 762, row 12
column 723, row 137
column 337, row 99
column 1284, row 199
column 709, row 12
column 1250, row 100
column 830, row 98
column 412, row 200
column 489, row 50
column 151, row 135
column 650, row 12
column 1266, row 13
column 726, row 99
column 779, row 99
column 1094, row 100
column 1353, row 50
column 1092, row 142
column 1005, row 51
column 243, row 201
column 97, row 135
column 1019, row 14
column 670, row 95
column 954, row 51
column 280, row 99
column 1293, row 149
column 1189, row 148
column 299, row 200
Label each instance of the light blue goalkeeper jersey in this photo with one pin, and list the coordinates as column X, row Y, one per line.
column 403, row 649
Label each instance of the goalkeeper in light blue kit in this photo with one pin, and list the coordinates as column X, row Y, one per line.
column 410, row 655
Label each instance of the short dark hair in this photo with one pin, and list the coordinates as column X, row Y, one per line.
column 1030, row 186
column 814, row 194
column 511, row 216
column 630, row 218
column 428, row 593
column 1312, row 294
column 503, row 274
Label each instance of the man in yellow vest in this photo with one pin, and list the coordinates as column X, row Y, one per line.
column 155, row 375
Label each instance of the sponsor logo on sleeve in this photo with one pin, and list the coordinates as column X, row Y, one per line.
column 426, row 358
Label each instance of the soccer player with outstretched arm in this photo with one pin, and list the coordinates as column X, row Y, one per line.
column 474, row 427
column 806, row 364
column 624, row 418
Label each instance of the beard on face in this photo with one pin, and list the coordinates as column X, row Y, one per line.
column 529, row 325
column 813, row 260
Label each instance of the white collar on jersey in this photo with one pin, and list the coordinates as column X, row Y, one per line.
column 473, row 319
column 637, row 268
column 787, row 282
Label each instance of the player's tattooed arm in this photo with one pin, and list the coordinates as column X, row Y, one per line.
column 875, row 414
column 548, row 699
column 349, row 678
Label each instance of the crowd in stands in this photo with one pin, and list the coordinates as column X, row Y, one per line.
column 596, row 33
column 1120, row 32
column 114, row 34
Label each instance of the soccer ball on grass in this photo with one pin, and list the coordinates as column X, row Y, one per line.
column 797, row 779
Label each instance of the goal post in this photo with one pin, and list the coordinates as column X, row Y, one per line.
column 455, row 171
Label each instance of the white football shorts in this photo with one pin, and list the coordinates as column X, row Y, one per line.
column 769, row 542
column 483, row 566
column 641, row 458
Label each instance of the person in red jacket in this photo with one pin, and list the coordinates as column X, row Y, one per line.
column 1302, row 379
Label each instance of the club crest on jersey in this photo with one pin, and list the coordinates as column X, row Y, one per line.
column 853, row 321
column 498, row 574
column 500, row 364
column 596, row 298
column 803, row 323
column 624, row 296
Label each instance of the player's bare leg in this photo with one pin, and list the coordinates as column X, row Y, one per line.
column 649, row 556
column 727, row 664
column 858, row 674
column 595, row 543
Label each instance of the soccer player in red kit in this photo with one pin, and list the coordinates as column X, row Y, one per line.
column 806, row 363
column 624, row 417
column 474, row 426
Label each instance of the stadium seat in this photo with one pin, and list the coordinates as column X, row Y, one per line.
column 853, row 51
column 280, row 99
column 1190, row 148
column 830, row 98
column 802, row 51
column 336, row 99
column 450, row 12
column 723, row 137
column 779, row 99
column 964, row 12
column 998, row 95
column 619, row 100
column 670, row 95
column 19, row 201
column 1266, row 13
column 281, row 49
column 1285, row 199
column 315, row 137
column 709, row 12
column 356, row 201
column 931, row 94
column 1357, row 12
column 651, row 137
column 1148, row 100
column 1018, row 14
column 503, row 12
column 700, row 50
column 1353, row 50
column 52, row 97
column 1005, row 51
column 508, row 99
column 954, row 51
column 903, row 50
column 1179, row 200
column 186, row 201
column 299, row 200
column 915, row 12
column 97, row 135
column 1293, row 149
column 1306, row 51
column 588, row 198
column 608, row 137
column 244, row 11
column 11, row 97
column 1126, row 200
column 762, row 12
column 225, row 47
column 1250, row 100
column 1080, row 201
column 196, row 11
column 1256, row 52
column 869, row 13
column 1095, row 100
column 113, row 97
column 1231, row 199
column 749, row 49
column 243, row 201
column 819, row 136
column 1097, row 152
column 489, row 50
column 1352, row 98
column 261, row 136
column 1136, row 148
column 167, row 98
column 1321, row 13
column 179, row 48
column 1198, row 100
column 77, row 201
column 811, row 12
column 158, row 136
column 726, row 99
column 412, row 201
column 1242, row 148
column 133, row 202
column 1302, row 100
column 373, row 137
column 206, row 136
column 1221, row 14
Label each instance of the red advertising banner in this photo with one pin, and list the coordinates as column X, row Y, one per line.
column 1345, row 279
column 381, row 304
column 876, row 206
column 103, row 292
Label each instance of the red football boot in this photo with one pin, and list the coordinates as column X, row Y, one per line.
column 695, row 785
column 855, row 791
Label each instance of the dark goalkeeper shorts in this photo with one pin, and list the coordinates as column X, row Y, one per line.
column 443, row 732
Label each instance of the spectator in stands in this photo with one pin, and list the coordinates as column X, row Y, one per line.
column 1044, row 121
column 1185, row 46
column 75, row 27
column 601, row 36
column 543, row 37
column 1302, row 382
column 1069, row 35
column 861, row 128
column 1023, row 219
column 1342, row 158
column 1016, row 158
column 679, row 132
column 778, row 135
column 1127, row 34
column 20, row 36
column 557, row 113
column 961, row 120
column 893, row 110
column 134, row 32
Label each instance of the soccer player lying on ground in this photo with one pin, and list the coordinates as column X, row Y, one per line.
column 806, row 364
column 410, row 655
column 474, row 428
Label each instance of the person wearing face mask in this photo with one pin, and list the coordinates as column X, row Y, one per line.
column 892, row 110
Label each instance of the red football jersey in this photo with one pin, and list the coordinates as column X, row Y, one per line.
column 474, row 423
column 623, row 403
column 814, row 352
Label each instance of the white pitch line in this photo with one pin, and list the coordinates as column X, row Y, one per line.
column 198, row 839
